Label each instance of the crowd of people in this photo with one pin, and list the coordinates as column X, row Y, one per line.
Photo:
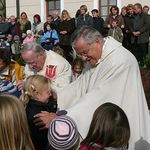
column 76, row 81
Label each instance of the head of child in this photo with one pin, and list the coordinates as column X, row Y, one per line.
column 63, row 134
column 29, row 33
column 16, row 39
column 48, row 27
column 40, row 33
column 13, row 124
column 109, row 127
column 9, row 37
column 77, row 66
column 36, row 87
column 114, row 23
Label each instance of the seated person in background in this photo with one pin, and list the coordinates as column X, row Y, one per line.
column 77, row 68
column 63, row 134
column 109, row 129
column 4, row 27
column 10, row 70
column 36, row 98
column 29, row 37
column 115, row 31
column 50, row 38
column 14, row 130
column 48, row 21
column 9, row 41
column 16, row 47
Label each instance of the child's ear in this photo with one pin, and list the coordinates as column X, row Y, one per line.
column 35, row 93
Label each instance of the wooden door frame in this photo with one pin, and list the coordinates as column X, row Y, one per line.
column 99, row 4
column 47, row 6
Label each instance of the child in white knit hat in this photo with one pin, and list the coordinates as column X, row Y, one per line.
column 29, row 37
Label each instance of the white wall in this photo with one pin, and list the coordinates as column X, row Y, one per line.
column 10, row 8
column 32, row 7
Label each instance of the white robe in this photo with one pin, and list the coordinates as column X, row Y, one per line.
column 116, row 79
column 63, row 70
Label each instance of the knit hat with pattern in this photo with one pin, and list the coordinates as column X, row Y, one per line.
column 7, row 87
column 63, row 133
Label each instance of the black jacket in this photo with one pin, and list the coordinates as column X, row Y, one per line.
column 98, row 24
column 39, row 137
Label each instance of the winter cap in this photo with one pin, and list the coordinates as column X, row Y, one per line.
column 7, row 87
column 63, row 133
column 29, row 32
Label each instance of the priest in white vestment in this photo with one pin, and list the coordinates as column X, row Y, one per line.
column 111, row 75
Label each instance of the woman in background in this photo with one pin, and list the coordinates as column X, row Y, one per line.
column 24, row 24
column 65, row 29
column 37, row 25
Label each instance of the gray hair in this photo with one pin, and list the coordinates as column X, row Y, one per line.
column 32, row 46
column 89, row 34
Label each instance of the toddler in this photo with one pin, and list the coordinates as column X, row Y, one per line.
column 29, row 37
column 77, row 68
column 36, row 98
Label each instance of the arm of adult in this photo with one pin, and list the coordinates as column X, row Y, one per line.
column 117, row 81
column 20, row 85
column 63, row 71
column 44, row 119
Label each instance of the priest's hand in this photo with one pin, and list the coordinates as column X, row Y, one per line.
column 43, row 119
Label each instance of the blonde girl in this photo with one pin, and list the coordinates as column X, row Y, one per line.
column 36, row 87
column 14, row 132
column 36, row 97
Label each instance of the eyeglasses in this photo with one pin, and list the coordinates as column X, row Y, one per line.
column 82, row 54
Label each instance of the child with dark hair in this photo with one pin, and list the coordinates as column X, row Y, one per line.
column 109, row 129
column 115, row 31
column 77, row 68
column 50, row 38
